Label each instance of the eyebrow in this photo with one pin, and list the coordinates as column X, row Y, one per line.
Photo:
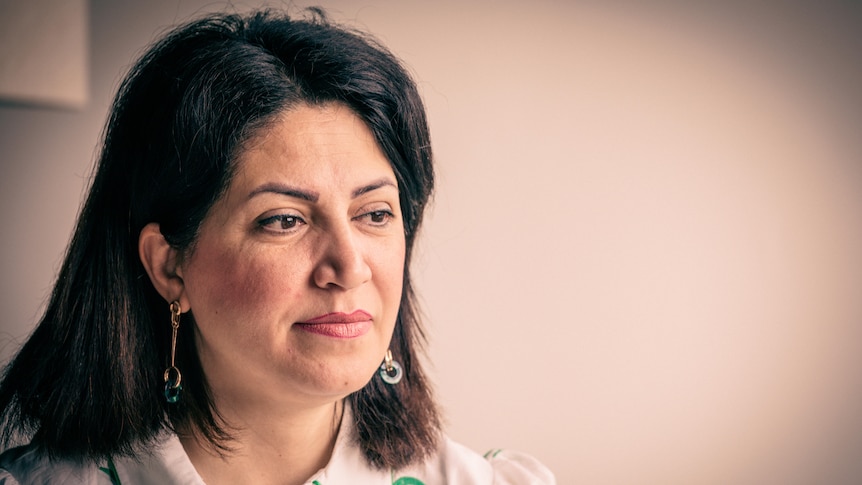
column 287, row 190
column 383, row 182
column 311, row 196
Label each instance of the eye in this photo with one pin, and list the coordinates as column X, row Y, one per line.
column 281, row 223
column 378, row 217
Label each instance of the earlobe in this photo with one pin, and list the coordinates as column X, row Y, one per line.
column 162, row 265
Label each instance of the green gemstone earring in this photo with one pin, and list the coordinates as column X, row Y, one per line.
column 173, row 377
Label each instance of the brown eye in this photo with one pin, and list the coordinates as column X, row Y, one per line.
column 280, row 223
column 377, row 218
column 288, row 222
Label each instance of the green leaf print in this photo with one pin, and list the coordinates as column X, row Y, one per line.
column 408, row 481
column 111, row 471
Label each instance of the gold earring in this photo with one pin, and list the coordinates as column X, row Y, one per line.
column 390, row 370
column 173, row 378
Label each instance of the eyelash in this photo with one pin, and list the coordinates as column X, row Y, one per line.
column 377, row 213
column 283, row 219
column 293, row 221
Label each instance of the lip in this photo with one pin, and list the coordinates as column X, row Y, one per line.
column 338, row 324
column 340, row 317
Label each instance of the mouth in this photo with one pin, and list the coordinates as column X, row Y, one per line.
column 338, row 324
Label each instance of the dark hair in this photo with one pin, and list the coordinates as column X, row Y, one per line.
column 88, row 383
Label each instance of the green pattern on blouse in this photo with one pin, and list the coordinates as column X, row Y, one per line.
column 111, row 471
column 492, row 453
column 400, row 481
column 408, row 481
column 405, row 480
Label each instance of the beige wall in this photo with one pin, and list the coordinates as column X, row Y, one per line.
column 32, row 67
column 643, row 261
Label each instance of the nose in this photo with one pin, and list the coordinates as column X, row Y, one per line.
column 342, row 263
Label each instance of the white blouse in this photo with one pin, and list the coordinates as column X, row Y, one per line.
column 169, row 464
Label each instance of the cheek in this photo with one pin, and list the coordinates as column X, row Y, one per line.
column 238, row 282
column 389, row 265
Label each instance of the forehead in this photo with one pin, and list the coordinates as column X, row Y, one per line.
column 313, row 145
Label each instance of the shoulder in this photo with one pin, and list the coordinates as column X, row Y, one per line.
column 451, row 463
column 516, row 467
column 163, row 462
column 455, row 463
column 25, row 465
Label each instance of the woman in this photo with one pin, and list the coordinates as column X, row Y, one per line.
column 236, row 303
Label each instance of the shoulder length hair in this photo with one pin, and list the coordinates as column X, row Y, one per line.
column 88, row 383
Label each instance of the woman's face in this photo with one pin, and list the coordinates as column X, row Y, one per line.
column 295, row 279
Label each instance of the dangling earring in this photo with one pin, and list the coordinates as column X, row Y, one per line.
column 390, row 370
column 173, row 378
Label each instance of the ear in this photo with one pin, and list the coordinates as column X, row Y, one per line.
column 161, row 261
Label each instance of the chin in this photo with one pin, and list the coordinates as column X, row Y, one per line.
column 343, row 380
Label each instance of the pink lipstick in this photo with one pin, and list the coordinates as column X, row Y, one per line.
column 338, row 324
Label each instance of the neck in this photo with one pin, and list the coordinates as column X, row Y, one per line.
column 299, row 441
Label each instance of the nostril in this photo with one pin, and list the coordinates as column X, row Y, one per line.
column 343, row 266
